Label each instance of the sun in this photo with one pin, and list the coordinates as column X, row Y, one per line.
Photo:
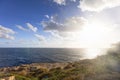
column 94, row 37
column 91, row 53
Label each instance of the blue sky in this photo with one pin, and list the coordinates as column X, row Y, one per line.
column 19, row 12
column 56, row 23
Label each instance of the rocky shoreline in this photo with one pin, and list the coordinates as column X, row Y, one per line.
column 7, row 73
column 105, row 67
column 34, row 66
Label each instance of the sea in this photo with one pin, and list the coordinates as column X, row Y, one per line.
column 18, row 56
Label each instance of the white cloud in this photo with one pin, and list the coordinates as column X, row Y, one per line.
column 98, row 5
column 72, row 24
column 5, row 32
column 6, row 36
column 47, row 16
column 40, row 37
column 62, row 2
column 66, row 30
column 73, row 0
column 21, row 28
column 31, row 27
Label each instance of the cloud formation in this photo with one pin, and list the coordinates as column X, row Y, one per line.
column 40, row 37
column 98, row 5
column 64, row 30
column 62, row 2
column 31, row 27
column 6, row 33
column 21, row 28
column 47, row 16
column 70, row 25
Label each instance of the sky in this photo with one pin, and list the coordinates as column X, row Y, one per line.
column 59, row 23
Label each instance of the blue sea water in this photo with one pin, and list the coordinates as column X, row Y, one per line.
column 18, row 56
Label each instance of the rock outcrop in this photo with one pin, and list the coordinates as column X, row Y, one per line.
column 8, row 78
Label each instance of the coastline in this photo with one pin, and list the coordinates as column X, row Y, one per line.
column 105, row 67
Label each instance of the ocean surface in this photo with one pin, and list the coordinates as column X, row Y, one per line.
column 17, row 56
